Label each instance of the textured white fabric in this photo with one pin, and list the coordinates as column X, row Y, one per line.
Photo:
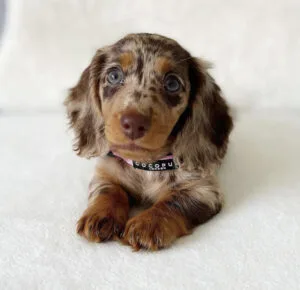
column 253, row 244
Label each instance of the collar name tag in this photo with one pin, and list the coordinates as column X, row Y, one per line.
column 166, row 163
column 159, row 165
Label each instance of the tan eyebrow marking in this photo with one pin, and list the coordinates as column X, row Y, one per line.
column 163, row 65
column 126, row 60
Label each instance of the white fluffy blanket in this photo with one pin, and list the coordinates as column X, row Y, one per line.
column 253, row 244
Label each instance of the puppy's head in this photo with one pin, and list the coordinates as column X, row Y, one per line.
column 146, row 96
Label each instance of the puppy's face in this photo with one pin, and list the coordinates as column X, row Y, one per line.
column 145, row 96
column 144, row 88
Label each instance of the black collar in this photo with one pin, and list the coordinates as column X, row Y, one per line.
column 165, row 163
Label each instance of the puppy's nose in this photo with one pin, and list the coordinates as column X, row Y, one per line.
column 134, row 125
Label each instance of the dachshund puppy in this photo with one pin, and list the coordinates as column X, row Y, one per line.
column 159, row 125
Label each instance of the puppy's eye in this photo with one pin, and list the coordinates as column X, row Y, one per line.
column 115, row 76
column 172, row 84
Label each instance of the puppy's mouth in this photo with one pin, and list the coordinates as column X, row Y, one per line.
column 129, row 147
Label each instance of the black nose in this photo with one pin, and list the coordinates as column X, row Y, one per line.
column 134, row 125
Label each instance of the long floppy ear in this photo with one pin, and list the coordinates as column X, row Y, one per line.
column 84, row 110
column 205, row 125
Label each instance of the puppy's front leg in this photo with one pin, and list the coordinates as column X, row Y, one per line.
column 174, row 215
column 107, row 212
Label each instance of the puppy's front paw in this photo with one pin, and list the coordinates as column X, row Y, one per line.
column 153, row 230
column 100, row 226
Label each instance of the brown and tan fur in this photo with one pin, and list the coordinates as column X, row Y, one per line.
column 193, row 124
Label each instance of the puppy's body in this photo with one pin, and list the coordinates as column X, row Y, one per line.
column 144, row 97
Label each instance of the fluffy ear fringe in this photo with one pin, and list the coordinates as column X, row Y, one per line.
column 203, row 137
column 84, row 111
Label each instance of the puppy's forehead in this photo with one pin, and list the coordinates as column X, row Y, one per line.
column 150, row 47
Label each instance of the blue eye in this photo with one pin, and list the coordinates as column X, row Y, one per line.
column 172, row 84
column 115, row 76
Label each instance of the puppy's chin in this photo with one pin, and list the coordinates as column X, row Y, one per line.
column 140, row 154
